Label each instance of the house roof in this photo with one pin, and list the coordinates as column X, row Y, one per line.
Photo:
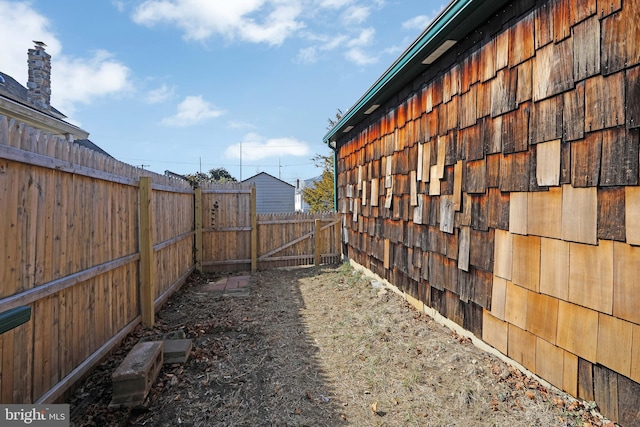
column 452, row 25
column 90, row 145
column 14, row 90
column 14, row 101
column 251, row 178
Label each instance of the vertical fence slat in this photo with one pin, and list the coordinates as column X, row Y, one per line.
column 198, row 226
column 254, row 231
column 147, row 291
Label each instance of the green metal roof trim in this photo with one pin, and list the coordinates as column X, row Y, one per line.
column 458, row 19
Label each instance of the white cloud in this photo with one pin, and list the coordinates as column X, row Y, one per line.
column 257, row 147
column 82, row 80
column 307, row 55
column 258, row 21
column 160, row 94
column 74, row 80
column 356, row 52
column 191, row 111
column 360, row 57
column 356, row 15
column 20, row 25
column 419, row 22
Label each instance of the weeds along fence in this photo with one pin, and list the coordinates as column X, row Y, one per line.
column 94, row 246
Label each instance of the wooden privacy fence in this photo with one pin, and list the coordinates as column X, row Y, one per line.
column 94, row 246
column 236, row 238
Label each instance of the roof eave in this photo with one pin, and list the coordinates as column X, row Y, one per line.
column 410, row 64
column 40, row 120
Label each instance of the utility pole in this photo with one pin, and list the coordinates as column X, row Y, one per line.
column 240, row 160
column 143, row 166
column 279, row 169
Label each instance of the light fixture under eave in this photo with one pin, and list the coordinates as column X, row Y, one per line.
column 347, row 129
column 371, row 109
column 445, row 46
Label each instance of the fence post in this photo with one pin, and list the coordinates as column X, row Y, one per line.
column 197, row 208
column 318, row 240
column 147, row 285
column 254, row 231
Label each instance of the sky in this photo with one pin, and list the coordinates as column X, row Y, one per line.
column 192, row 85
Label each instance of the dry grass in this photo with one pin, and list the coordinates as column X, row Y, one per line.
column 321, row 347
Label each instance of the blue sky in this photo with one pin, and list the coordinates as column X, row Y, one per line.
column 172, row 84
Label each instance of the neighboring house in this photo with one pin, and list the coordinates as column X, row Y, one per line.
column 301, row 204
column 272, row 195
column 491, row 173
column 32, row 104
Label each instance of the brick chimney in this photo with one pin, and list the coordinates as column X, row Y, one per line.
column 39, row 83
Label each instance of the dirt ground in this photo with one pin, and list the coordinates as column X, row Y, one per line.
column 322, row 347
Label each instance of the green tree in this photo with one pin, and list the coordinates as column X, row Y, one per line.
column 214, row 175
column 333, row 121
column 319, row 195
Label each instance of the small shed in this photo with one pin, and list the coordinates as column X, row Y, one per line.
column 272, row 194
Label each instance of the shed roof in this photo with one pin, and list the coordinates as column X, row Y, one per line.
column 252, row 178
column 455, row 22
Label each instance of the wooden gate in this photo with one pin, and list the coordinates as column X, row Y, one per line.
column 235, row 238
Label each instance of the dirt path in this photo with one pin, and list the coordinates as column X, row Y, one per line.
column 321, row 347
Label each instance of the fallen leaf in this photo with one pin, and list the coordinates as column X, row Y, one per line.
column 374, row 407
column 530, row 395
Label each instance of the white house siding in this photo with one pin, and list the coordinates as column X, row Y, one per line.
column 272, row 194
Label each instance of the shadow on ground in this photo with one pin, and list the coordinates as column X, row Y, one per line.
column 252, row 362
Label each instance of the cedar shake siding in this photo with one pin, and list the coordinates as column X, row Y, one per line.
column 499, row 186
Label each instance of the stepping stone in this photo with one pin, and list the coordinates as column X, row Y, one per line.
column 132, row 380
column 176, row 351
